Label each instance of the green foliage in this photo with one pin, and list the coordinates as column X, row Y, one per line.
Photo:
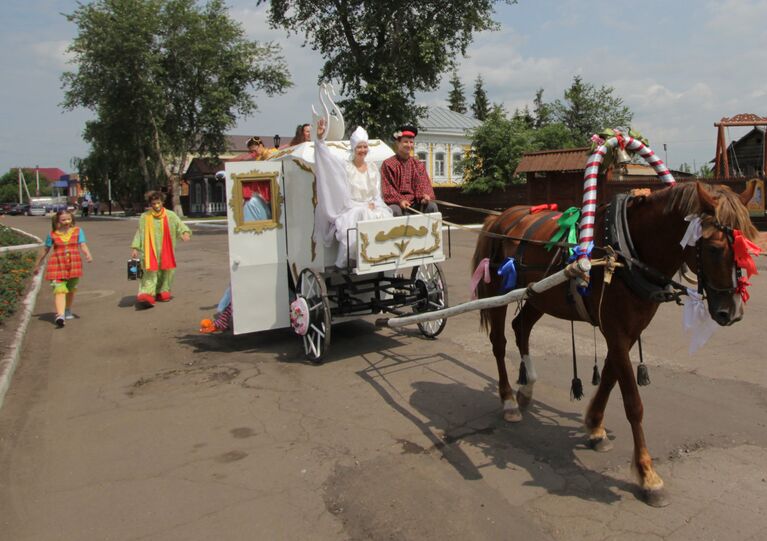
column 498, row 145
column 705, row 171
column 9, row 185
column 481, row 105
column 165, row 78
column 541, row 110
column 15, row 271
column 383, row 52
column 456, row 98
column 586, row 110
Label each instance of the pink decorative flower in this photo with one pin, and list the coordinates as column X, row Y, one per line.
column 597, row 140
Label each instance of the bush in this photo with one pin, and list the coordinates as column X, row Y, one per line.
column 15, row 270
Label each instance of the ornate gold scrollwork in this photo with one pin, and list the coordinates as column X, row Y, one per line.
column 401, row 232
column 237, row 202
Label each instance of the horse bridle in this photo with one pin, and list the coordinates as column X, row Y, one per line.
column 702, row 285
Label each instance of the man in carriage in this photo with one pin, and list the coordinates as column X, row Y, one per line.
column 405, row 182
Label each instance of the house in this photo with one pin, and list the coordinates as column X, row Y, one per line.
column 206, row 193
column 746, row 156
column 444, row 136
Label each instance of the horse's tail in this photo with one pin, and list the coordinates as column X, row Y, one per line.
column 487, row 247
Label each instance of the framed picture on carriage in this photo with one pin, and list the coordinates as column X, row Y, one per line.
column 256, row 201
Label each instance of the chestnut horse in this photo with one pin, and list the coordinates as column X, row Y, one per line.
column 656, row 225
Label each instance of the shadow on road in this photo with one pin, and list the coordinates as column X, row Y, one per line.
column 457, row 416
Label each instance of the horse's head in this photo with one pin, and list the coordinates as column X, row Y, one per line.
column 725, row 225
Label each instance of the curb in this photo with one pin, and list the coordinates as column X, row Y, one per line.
column 8, row 362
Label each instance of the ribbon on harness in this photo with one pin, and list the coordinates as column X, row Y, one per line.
column 697, row 321
column 508, row 272
column 568, row 228
column 693, row 233
column 545, row 206
column 482, row 272
column 743, row 249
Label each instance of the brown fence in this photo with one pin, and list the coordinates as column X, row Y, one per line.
column 565, row 193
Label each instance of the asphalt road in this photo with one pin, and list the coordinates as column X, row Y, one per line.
column 130, row 425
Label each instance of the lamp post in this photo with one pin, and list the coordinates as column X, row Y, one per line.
column 277, row 140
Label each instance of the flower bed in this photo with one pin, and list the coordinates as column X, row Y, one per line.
column 15, row 271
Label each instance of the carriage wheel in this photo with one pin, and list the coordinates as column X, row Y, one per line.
column 430, row 282
column 310, row 315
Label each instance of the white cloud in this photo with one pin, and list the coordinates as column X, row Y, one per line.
column 51, row 54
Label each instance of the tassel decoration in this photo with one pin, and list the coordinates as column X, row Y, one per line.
column 522, row 380
column 576, row 389
column 595, row 379
column 643, row 376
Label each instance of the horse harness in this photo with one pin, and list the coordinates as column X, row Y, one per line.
column 645, row 281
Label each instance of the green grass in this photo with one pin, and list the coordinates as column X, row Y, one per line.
column 15, row 271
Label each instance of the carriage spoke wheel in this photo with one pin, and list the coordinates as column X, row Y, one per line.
column 430, row 283
column 310, row 315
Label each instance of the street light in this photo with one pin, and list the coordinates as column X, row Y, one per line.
column 277, row 140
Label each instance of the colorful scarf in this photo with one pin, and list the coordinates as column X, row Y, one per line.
column 167, row 258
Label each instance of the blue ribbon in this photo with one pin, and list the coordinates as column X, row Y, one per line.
column 578, row 252
column 509, row 273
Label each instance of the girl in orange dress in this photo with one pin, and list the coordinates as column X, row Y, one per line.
column 65, row 266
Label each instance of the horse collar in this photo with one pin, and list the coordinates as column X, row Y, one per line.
column 642, row 279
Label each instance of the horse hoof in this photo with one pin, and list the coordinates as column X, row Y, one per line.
column 655, row 497
column 523, row 401
column 601, row 445
column 512, row 416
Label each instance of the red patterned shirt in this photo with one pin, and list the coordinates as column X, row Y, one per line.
column 404, row 180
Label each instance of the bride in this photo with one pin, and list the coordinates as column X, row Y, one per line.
column 348, row 191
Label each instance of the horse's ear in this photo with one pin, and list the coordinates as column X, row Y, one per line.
column 707, row 203
column 748, row 193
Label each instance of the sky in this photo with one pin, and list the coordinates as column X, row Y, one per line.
column 679, row 66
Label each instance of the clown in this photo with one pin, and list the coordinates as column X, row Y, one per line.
column 158, row 230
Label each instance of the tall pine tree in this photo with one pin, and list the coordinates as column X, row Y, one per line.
column 456, row 98
column 481, row 105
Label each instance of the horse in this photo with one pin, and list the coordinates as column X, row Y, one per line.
column 655, row 224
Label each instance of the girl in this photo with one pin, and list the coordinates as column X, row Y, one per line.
column 66, row 266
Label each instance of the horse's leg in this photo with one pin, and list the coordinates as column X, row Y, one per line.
column 595, row 414
column 618, row 358
column 497, row 320
column 523, row 325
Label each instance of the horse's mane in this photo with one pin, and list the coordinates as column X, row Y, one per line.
column 731, row 212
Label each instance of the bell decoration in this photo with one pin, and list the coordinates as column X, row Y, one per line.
column 621, row 156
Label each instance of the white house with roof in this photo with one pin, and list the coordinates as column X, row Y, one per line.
column 444, row 137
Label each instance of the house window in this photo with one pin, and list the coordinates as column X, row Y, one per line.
column 439, row 164
column 457, row 165
column 422, row 156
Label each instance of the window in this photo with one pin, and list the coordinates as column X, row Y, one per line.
column 457, row 165
column 439, row 164
column 422, row 156
column 256, row 202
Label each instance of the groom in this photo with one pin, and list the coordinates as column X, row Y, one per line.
column 405, row 182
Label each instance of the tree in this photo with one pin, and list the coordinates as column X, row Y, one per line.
column 541, row 110
column 481, row 105
column 587, row 110
column 383, row 52
column 456, row 98
column 9, row 185
column 165, row 78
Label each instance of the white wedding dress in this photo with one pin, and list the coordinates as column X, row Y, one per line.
column 345, row 195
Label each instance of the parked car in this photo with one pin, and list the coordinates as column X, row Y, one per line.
column 36, row 209
column 6, row 207
column 18, row 209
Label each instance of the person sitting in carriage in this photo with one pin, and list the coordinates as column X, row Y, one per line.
column 406, row 183
column 348, row 191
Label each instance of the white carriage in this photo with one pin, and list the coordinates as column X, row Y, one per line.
column 282, row 277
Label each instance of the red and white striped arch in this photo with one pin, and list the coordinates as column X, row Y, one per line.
column 589, row 208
